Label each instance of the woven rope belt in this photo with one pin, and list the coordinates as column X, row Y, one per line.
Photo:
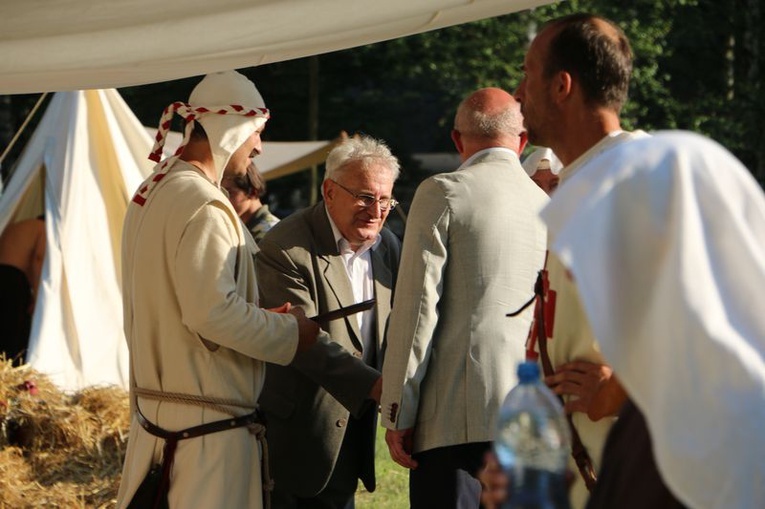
column 253, row 421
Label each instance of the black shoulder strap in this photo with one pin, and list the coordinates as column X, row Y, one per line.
column 578, row 451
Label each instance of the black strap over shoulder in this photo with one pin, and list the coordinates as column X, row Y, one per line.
column 578, row 450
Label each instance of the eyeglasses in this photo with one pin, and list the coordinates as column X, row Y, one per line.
column 366, row 201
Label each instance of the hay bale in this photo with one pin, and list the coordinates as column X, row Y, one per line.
column 58, row 449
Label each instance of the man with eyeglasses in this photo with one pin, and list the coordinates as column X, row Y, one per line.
column 321, row 413
column 472, row 249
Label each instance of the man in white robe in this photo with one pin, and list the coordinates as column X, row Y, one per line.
column 197, row 338
column 577, row 116
column 665, row 240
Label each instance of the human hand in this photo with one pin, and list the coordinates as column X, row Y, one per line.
column 308, row 330
column 595, row 390
column 284, row 308
column 494, row 482
column 376, row 392
column 400, row 446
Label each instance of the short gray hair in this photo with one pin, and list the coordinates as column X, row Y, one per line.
column 361, row 148
column 473, row 119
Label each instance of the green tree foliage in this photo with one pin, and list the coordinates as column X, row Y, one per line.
column 697, row 67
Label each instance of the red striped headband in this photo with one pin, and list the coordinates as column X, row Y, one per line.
column 188, row 113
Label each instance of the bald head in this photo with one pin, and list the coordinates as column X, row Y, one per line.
column 489, row 117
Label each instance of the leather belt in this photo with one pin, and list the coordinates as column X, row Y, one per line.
column 202, row 429
column 171, row 439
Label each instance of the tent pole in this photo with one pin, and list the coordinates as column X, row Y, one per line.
column 21, row 129
column 313, row 120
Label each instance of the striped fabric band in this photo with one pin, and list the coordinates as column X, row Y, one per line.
column 188, row 113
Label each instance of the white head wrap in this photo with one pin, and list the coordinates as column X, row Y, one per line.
column 230, row 109
column 665, row 238
column 542, row 158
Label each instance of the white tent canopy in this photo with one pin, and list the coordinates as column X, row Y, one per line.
column 82, row 44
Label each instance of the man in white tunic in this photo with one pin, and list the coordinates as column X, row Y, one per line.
column 576, row 78
column 197, row 338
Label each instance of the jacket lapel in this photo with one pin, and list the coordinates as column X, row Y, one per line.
column 383, row 282
column 332, row 266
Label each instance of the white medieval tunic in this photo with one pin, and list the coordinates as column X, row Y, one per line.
column 202, row 335
column 665, row 239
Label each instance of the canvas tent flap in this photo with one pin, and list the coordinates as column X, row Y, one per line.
column 81, row 44
column 284, row 158
column 90, row 152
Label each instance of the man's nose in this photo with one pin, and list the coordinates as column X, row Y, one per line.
column 257, row 149
column 520, row 91
column 375, row 210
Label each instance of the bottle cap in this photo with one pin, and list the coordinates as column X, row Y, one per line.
column 528, row 372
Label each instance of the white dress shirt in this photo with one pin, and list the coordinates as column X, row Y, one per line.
column 358, row 266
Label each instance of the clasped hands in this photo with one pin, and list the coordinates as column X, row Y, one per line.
column 308, row 330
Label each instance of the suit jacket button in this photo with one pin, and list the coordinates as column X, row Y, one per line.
column 341, row 423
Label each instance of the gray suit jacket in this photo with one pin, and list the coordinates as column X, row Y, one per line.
column 472, row 249
column 307, row 403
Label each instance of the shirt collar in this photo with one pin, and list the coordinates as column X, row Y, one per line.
column 483, row 152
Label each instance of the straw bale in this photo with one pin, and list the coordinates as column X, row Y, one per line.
column 58, row 449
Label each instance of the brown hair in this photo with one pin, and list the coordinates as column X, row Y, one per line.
column 595, row 51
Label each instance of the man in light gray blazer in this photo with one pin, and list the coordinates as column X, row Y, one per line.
column 321, row 421
column 471, row 252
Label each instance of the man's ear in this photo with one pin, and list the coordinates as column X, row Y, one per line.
column 326, row 190
column 524, row 136
column 457, row 139
column 563, row 84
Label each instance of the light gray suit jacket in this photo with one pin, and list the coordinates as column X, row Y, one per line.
column 472, row 249
column 307, row 403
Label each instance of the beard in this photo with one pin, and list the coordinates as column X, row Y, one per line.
column 540, row 126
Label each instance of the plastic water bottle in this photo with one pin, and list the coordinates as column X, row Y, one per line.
column 533, row 444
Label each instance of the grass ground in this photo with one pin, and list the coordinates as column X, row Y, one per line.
column 392, row 482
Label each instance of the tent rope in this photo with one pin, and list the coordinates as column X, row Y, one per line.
column 23, row 126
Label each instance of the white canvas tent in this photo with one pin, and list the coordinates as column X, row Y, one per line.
column 82, row 44
column 80, row 167
column 83, row 162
